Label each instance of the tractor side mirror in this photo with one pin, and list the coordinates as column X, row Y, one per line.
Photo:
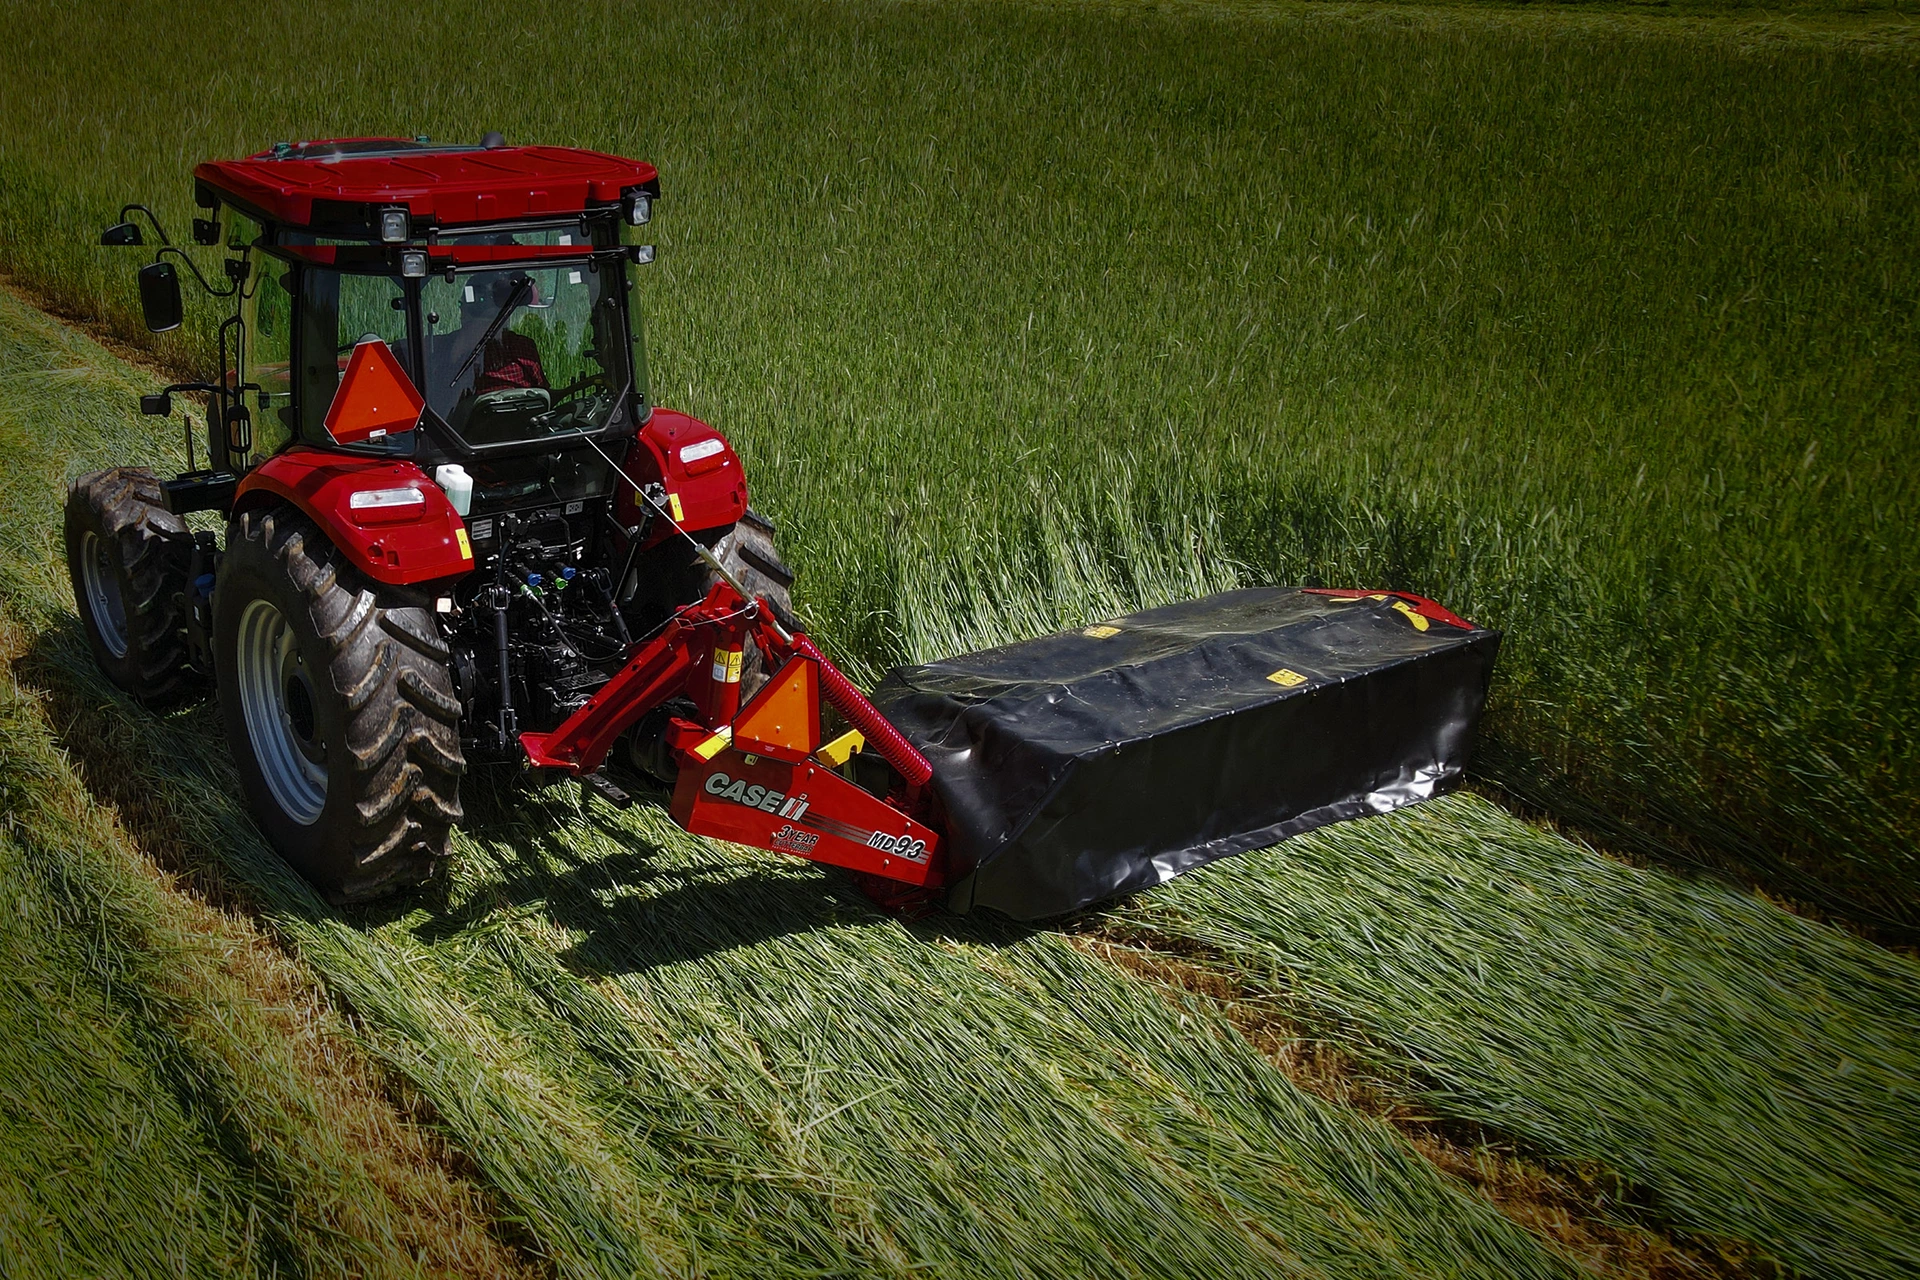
column 122, row 233
column 160, row 296
column 158, row 405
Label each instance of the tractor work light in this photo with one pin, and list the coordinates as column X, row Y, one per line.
column 641, row 254
column 394, row 225
column 377, row 499
column 639, row 209
column 413, row 263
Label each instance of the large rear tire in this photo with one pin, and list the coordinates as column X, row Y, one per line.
column 339, row 708
column 128, row 557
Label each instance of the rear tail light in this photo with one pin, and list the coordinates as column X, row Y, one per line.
column 703, row 455
column 376, row 499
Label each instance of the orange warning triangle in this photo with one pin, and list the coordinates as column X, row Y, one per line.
column 375, row 397
column 787, row 712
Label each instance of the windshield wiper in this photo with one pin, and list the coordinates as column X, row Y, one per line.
column 520, row 286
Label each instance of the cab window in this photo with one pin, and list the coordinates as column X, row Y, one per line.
column 337, row 310
column 267, row 352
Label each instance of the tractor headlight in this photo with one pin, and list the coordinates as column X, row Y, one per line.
column 413, row 263
column 639, row 209
column 395, row 226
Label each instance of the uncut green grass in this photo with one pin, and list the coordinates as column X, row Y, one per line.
column 668, row 1058
column 1602, row 330
column 1759, row 1073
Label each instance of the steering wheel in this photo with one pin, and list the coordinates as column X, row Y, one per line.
column 578, row 385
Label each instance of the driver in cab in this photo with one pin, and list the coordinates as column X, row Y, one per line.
column 500, row 359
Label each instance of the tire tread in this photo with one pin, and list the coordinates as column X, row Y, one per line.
column 388, row 665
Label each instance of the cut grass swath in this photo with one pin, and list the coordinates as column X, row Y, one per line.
column 170, row 1104
column 1759, row 1072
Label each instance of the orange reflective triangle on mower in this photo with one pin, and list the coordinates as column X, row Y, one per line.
column 786, row 713
column 375, row 398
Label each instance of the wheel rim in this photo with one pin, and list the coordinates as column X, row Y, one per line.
column 278, row 700
column 103, row 593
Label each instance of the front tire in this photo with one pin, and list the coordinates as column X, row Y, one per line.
column 339, row 707
column 128, row 557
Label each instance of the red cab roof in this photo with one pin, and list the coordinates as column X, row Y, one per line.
column 443, row 185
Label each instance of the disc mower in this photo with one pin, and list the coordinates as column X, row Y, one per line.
column 458, row 530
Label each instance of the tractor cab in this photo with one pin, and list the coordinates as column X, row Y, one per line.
column 500, row 278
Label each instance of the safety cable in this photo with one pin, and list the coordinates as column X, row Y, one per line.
column 700, row 548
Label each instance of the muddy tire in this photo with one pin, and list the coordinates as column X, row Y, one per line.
column 339, row 708
column 128, row 557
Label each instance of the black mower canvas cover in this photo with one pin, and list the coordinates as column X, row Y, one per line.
column 1098, row 762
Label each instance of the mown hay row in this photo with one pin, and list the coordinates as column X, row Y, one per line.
column 1759, row 1072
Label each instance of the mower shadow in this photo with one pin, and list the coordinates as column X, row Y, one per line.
column 645, row 907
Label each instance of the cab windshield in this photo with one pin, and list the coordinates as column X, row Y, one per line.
column 523, row 352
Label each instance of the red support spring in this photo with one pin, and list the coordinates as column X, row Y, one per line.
column 862, row 715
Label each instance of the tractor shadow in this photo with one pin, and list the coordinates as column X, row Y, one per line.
column 639, row 907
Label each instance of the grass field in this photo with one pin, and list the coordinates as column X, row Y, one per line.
column 1601, row 332
column 1596, row 324
column 666, row 1058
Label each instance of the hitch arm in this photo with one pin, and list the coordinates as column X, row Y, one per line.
column 657, row 671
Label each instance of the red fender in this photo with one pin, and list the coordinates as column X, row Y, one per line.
column 706, row 488
column 400, row 544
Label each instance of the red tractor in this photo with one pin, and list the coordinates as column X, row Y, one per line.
column 459, row 530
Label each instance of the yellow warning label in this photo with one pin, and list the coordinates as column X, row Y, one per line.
column 716, row 744
column 1418, row 619
column 466, row 548
column 1287, row 679
column 726, row 666
column 673, row 505
column 1101, row 632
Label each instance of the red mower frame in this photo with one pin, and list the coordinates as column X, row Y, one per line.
column 760, row 774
